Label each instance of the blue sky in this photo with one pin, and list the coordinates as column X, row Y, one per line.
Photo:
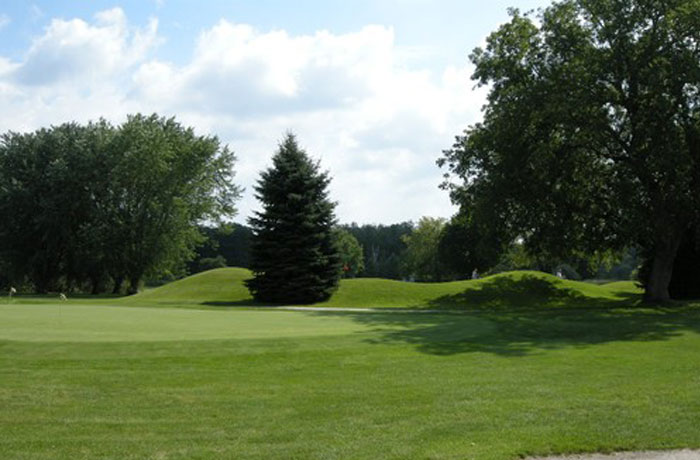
column 374, row 89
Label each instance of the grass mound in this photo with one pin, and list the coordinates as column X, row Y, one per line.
column 522, row 289
column 221, row 285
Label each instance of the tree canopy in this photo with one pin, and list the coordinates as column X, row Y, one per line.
column 97, row 204
column 351, row 255
column 591, row 135
column 382, row 246
column 294, row 257
column 421, row 259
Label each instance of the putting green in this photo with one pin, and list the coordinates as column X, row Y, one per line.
column 85, row 323
column 89, row 323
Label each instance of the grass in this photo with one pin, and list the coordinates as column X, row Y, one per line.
column 499, row 379
column 525, row 289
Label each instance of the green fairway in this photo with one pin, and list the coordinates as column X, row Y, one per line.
column 115, row 382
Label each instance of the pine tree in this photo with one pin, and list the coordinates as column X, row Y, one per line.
column 294, row 257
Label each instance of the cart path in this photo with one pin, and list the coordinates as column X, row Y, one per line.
column 685, row 454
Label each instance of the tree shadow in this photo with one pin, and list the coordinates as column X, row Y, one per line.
column 518, row 333
column 519, row 317
column 528, row 292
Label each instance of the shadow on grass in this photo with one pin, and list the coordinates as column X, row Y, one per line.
column 526, row 316
column 523, row 333
column 527, row 292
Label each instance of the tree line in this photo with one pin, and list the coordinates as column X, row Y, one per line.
column 430, row 250
column 100, row 207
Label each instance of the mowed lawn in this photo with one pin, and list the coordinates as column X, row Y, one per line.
column 108, row 381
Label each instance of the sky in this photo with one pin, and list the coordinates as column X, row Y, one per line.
column 373, row 89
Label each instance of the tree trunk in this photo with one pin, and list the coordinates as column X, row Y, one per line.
column 662, row 268
column 118, row 285
column 95, row 283
column 134, row 282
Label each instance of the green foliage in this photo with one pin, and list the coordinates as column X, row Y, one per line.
column 52, row 180
column 98, row 205
column 294, row 257
column 230, row 241
column 382, row 246
column 464, row 247
column 622, row 267
column 210, row 263
column 591, row 136
column 420, row 259
column 351, row 254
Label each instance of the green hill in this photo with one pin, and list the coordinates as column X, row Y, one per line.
column 221, row 285
column 522, row 289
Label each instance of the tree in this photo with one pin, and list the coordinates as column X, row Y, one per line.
column 230, row 241
column 464, row 247
column 591, row 135
column 382, row 247
column 351, row 255
column 686, row 284
column 97, row 203
column 52, row 180
column 166, row 181
column 421, row 260
column 294, row 257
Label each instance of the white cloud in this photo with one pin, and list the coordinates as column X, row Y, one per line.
column 355, row 100
column 4, row 20
column 80, row 53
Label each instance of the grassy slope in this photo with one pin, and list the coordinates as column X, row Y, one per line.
column 110, row 382
column 213, row 286
column 224, row 286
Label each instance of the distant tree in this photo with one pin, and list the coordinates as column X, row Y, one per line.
column 421, row 258
column 351, row 256
column 622, row 267
column 591, row 135
column 294, row 257
column 209, row 263
column 382, row 247
column 230, row 241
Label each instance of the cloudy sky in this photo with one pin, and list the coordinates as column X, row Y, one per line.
column 374, row 89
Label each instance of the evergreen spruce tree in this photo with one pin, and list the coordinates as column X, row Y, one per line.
column 294, row 257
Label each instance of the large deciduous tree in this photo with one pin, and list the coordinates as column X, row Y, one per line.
column 93, row 204
column 591, row 134
column 294, row 257
column 167, row 181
